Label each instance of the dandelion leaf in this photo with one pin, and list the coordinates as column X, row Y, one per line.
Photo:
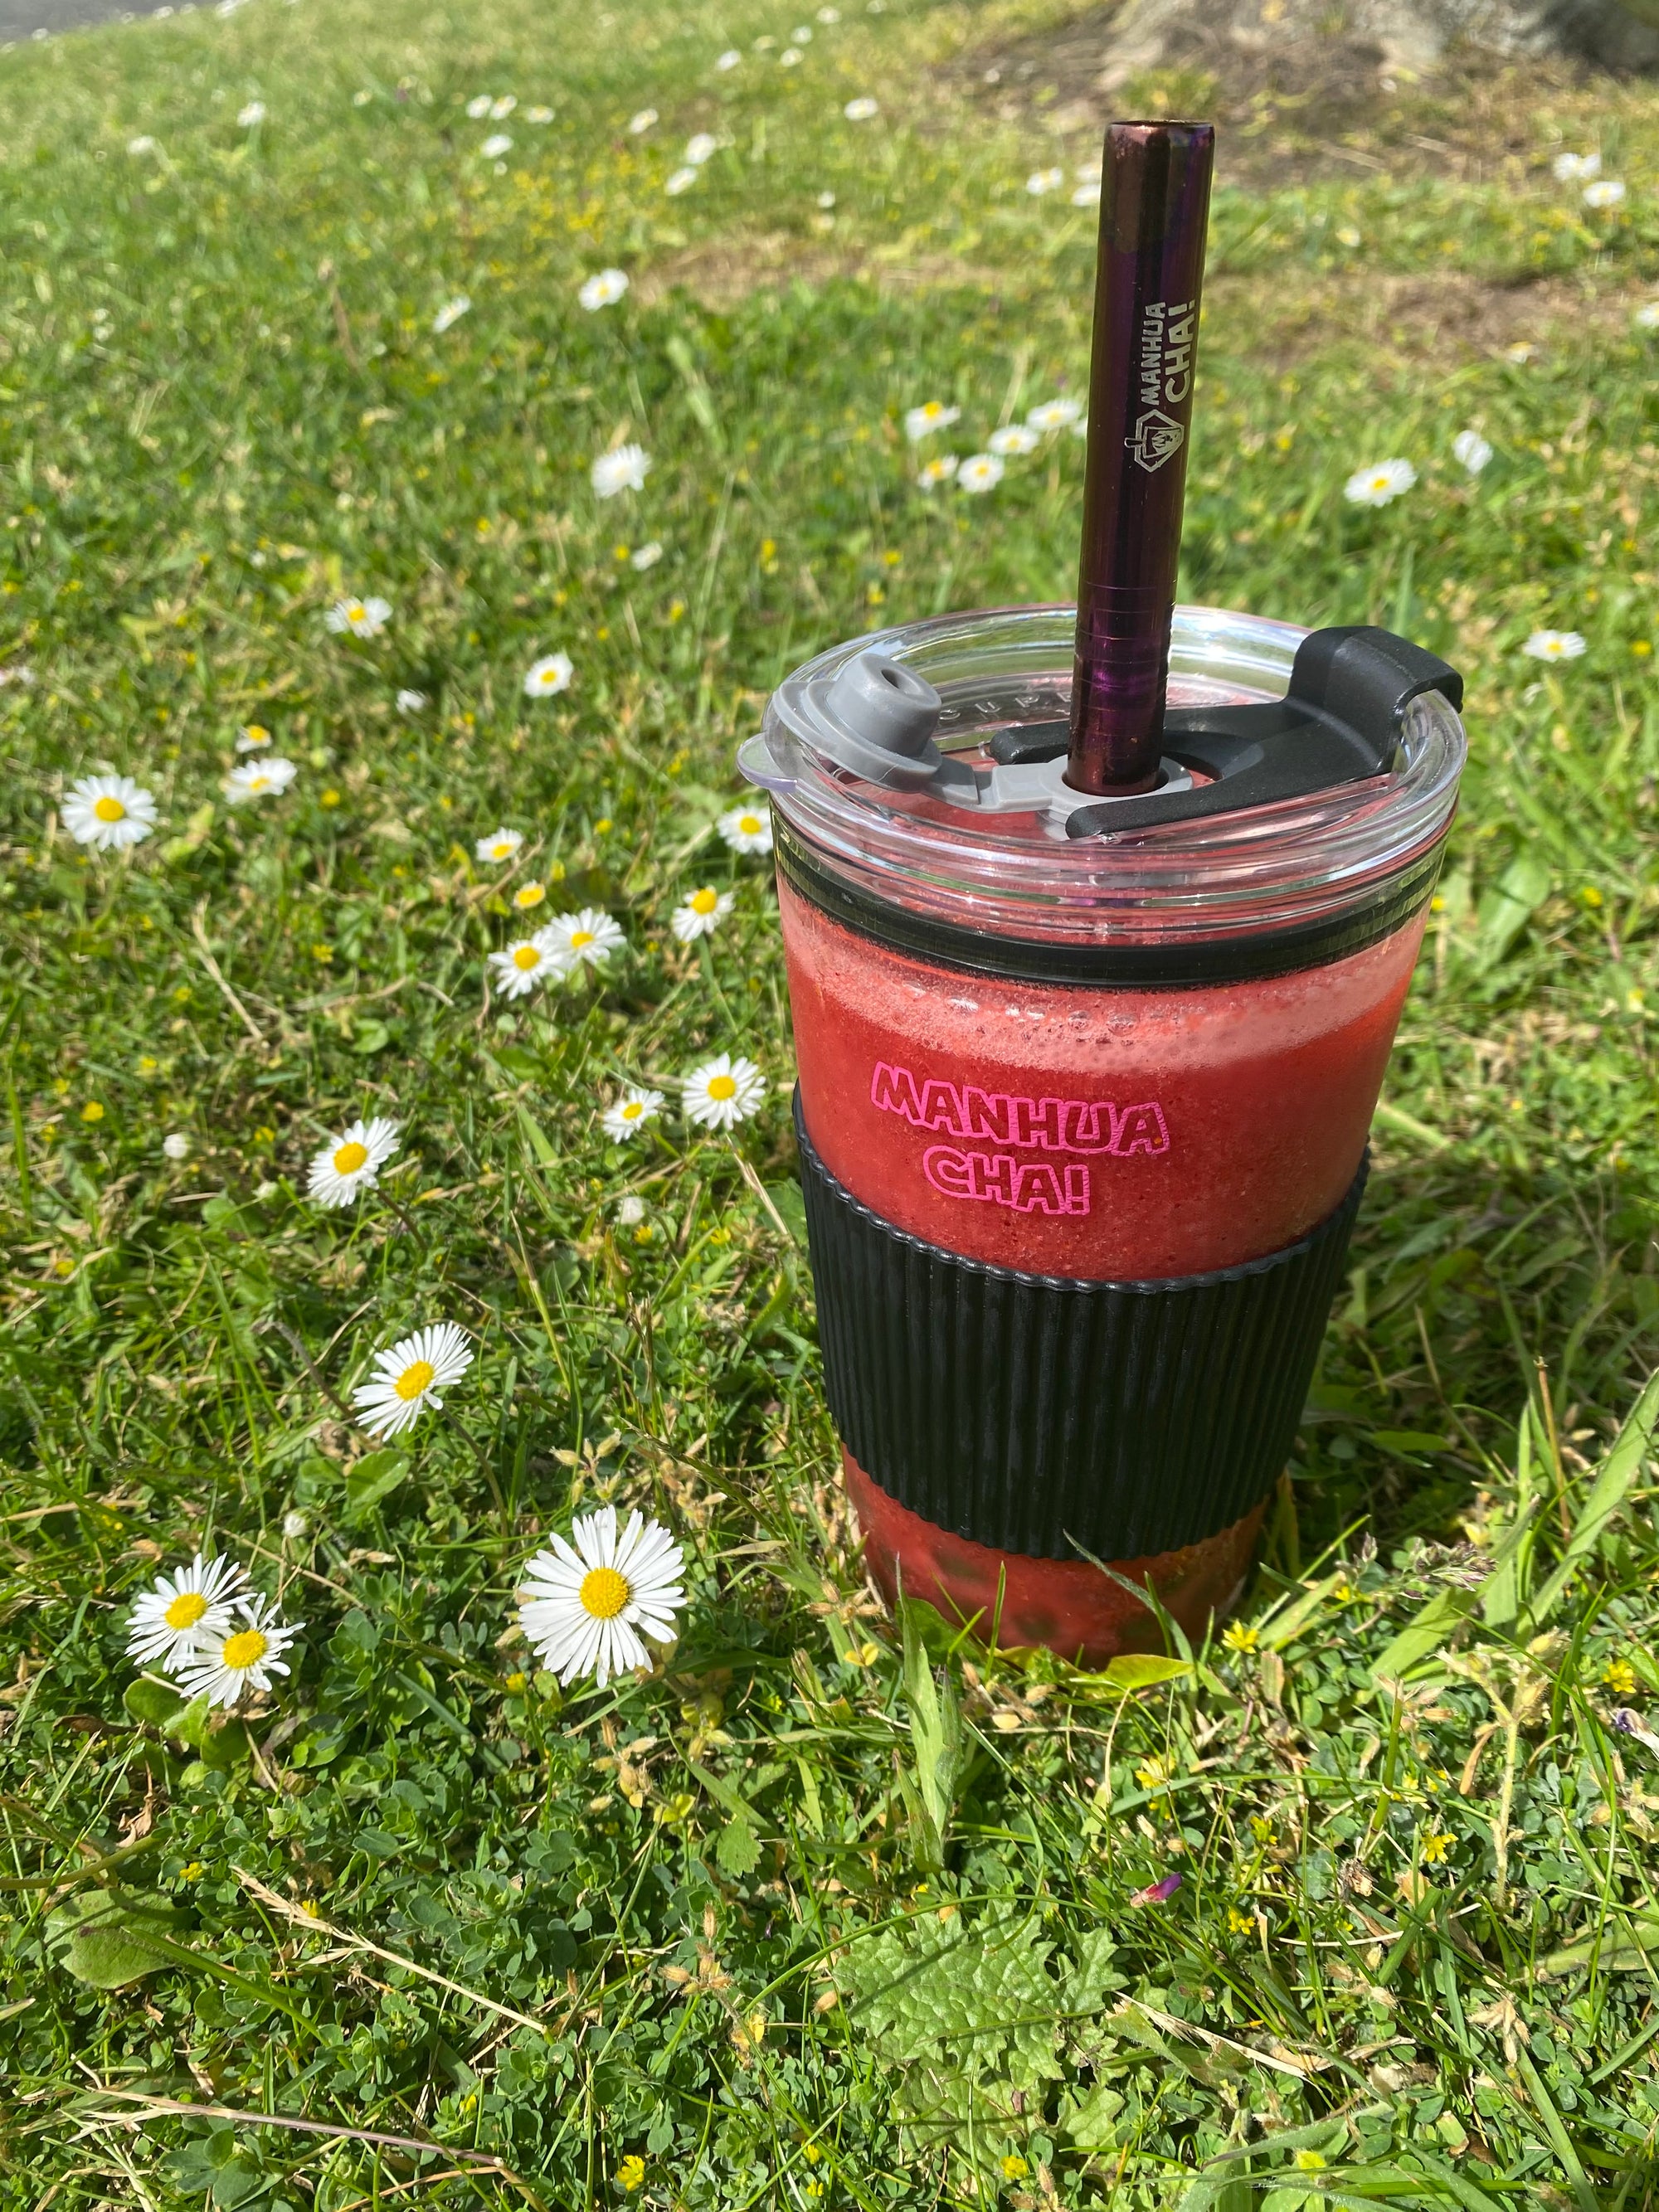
column 109, row 1937
column 736, row 1848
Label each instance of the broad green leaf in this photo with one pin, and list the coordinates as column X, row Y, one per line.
column 1086, row 2117
column 1143, row 1670
column 535, row 1137
column 1509, row 906
column 375, row 1476
column 155, row 1703
column 936, row 1738
column 109, row 1937
column 737, row 1848
column 791, row 1208
column 1618, row 1473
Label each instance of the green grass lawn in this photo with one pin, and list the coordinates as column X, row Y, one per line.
column 687, row 1941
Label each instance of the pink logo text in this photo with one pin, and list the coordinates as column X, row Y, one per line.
column 1049, row 1125
column 1029, row 1186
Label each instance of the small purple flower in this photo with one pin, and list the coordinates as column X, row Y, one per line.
column 1159, row 1892
column 1626, row 1722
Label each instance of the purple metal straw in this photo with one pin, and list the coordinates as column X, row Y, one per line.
column 1154, row 203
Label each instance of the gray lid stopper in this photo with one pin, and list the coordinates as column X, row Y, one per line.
column 880, row 717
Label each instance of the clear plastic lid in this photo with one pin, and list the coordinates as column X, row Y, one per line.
column 1296, row 867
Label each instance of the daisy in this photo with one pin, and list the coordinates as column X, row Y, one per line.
column 828, row 15
column 590, row 937
column 143, row 144
column 701, row 914
column 1553, row 645
column 681, row 182
column 588, row 1603
column 646, row 557
column 538, row 115
column 501, row 846
column 523, row 965
column 478, row 107
column 411, row 703
column 939, row 470
column 978, row 473
column 171, row 1619
column 408, row 1378
column 722, row 1092
column 253, row 737
column 234, row 1659
column 108, row 812
column 640, row 124
column 258, row 778
column 745, row 831
column 1575, row 168
column 495, row 145
column 1469, row 447
column 624, row 470
column 1647, row 316
column 826, row 200
column 362, row 617
column 1606, row 193
column 1377, row 486
column 630, row 1113
column 551, row 673
column 252, row 115
column 699, row 149
column 921, row 421
column 176, row 1144
column 529, row 896
column 351, row 1162
column 1015, row 439
column 603, row 290
column 863, row 110
column 1056, row 415
column 451, row 312
column 1044, row 180
column 630, row 1210
column 1087, row 195
column 502, row 108
column 730, row 59
column 791, row 57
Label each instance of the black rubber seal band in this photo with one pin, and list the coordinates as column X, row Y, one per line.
column 1112, row 966
column 1046, row 1416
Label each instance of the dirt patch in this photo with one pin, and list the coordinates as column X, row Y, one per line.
column 721, row 271
column 1410, row 320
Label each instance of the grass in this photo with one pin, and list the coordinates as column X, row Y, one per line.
column 803, row 1920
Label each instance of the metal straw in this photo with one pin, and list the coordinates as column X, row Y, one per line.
column 1154, row 203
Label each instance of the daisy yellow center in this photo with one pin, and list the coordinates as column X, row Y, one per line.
column 633, row 1111
column 531, row 894
column 932, row 411
column 257, row 782
column 526, row 957
column 256, row 736
column 722, row 1087
column 349, row 1158
column 185, row 1610
column 109, row 810
column 356, row 612
column 703, row 902
column 604, row 1593
column 749, row 823
column 245, row 1649
column 579, row 938
column 415, row 1377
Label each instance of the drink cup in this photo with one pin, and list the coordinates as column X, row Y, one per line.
column 1085, row 1086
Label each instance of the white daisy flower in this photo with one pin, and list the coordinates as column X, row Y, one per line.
column 258, row 778
column 253, row 738
column 791, row 57
column 478, row 107
column 1044, row 180
column 176, row 1144
column 802, row 34
column 1575, row 168
column 722, row 1091
column 15, row 672
column 630, row 1113
column 234, row 1659
column 108, row 812
column 495, row 145
column 590, row 936
column 500, row 845
column 1056, row 415
column 172, row 1618
column 603, row 290
column 408, row 1378
column 624, row 470
column 1553, row 645
column 411, row 703
column 826, row 200
column 1087, row 195
column 939, row 470
column 253, row 114
column 502, row 108
column 730, row 59
column 451, row 312
column 681, row 182
column 1469, row 447
column 699, row 148
column 702, row 914
column 745, row 830
column 295, row 1524
column 551, row 673
column 588, row 1603
column 1646, row 317
column 143, row 144
column 1377, row 486
column 630, row 1210
column 1608, row 192
column 862, row 110
column 640, row 124
column 828, row 15
column 523, row 965
column 362, row 617
column 350, row 1164
column 646, row 555
column 1015, row 439
column 921, row 421
column 538, row 115
column 978, row 473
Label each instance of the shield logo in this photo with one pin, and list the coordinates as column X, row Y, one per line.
column 1158, row 437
